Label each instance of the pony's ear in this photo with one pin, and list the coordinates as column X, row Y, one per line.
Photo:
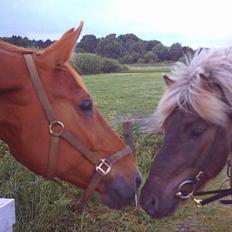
column 61, row 50
column 206, row 81
column 210, row 85
column 168, row 81
column 204, row 77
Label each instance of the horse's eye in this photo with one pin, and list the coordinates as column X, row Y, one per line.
column 196, row 132
column 86, row 105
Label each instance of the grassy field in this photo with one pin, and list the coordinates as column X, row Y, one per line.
column 42, row 206
column 146, row 68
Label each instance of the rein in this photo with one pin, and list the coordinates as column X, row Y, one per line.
column 218, row 193
column 57, row 131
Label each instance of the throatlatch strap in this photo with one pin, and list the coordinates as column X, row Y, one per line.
column 52, row 159
column 43, row 99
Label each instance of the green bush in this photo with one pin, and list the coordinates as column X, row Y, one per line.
column 127, row 59
column 111, row 65
column 87, row 63
column 141, row 61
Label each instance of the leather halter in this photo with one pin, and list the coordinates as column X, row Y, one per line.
column 57, row 130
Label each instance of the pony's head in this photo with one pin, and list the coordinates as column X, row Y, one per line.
column 25, row 128
column 195, row 116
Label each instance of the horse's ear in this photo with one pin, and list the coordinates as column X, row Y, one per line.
column 168, row 81
column 61, row 50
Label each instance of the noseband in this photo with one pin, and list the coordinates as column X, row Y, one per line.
column 219, row 193
column 57, row 131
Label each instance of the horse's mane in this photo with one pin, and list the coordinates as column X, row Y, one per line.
column 202, row 83
column 12, row 48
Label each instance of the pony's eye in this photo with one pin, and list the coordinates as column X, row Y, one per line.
column 197, row 131
column 86, row 105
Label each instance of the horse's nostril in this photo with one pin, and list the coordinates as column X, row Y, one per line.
column 138, row 180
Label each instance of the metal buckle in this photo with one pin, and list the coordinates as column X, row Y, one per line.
column 103, row 167
column 199, row 174
column 59, row 128
column 198, row 202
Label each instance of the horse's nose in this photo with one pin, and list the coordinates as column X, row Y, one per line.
column 150, row 204
column 121, row 190
column 138, row 179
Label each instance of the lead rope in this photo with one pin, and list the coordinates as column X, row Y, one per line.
column 229, row 165
column 219, row 193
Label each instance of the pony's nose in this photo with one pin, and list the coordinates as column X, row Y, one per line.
column 138, row 179
column 150, row 204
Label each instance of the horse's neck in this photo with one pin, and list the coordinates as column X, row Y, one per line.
column 7, row 47
column 12, row 68
column 11, row 74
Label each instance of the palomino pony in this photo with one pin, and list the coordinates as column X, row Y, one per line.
column 195, row 114
column 52, row 126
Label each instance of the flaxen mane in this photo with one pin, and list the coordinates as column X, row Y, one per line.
column 203, row 83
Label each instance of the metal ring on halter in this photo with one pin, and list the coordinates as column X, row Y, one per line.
column 180, row 193
column 59, row 130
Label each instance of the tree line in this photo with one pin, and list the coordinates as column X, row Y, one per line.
column 127, row 48
column 25, row 42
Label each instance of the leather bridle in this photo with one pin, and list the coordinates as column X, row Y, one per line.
column 58, row 131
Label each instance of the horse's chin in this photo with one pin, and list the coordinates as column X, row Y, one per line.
column 112, row 202
column 118, row 193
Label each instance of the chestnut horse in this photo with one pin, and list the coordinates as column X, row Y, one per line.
column 195, row 114
column 52, row 126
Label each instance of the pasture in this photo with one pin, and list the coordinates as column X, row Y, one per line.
column 42, row 206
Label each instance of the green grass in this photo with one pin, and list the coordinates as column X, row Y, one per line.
column 125, row 93
column 42, row 206
column 147, row 68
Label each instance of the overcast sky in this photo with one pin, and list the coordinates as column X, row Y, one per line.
column 191, row 22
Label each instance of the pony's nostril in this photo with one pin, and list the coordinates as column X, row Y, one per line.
column 150, row 205
column 138, row 180
column 153, row 202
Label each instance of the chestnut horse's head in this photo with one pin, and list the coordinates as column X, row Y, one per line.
column 195, row 115
column 24, row 126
